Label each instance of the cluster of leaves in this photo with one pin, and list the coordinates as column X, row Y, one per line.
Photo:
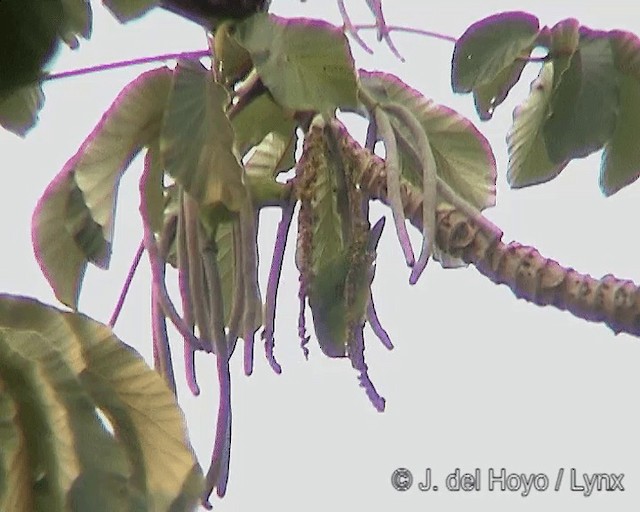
column 216, row 141
column 57, row 370
column 586, row 96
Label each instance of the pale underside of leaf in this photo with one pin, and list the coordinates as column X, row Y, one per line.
column 61, row 260
column 141, row 409
column 67, row 361
column 131, row 122
column 529, row 162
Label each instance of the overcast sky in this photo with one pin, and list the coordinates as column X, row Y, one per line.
column 478, row 379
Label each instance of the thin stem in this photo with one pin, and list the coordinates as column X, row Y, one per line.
column 126, row 285
column 237, row 304
column 351, row 29
column 393, row 182
column 249, row 249
column 408, row 30
column 268, row 333
column 156, row 262
column 198, row 54
column 196, row 277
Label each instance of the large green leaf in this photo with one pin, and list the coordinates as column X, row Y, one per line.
column 127, row 10
column 306, row 64
column 463, row 156
column 529, row 162
column 132, row 121
column 584, row 105
column 19, row 109
column 77, row 210
column 62, row 262
column 489, row 57
column 56, row 371
column 197, row 139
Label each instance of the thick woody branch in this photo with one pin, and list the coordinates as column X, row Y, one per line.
column 531, row 276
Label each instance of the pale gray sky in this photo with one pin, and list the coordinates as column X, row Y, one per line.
column 477, row 378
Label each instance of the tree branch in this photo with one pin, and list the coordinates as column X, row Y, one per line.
column 530, row 276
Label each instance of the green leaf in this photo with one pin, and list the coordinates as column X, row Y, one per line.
column 621, row 156
column 127, row 10
column 564, row 42
column 58, row 369
column 77, row 21
column 226, row 257
column 626, row 52
column 271, row 116
column 153, row 193
column 463, row 156
column 584, row 106
column 306, row 64
column 529, row 162
column 61, row 260
column 15, row 477
column 328, row 305
column 275, row 154
column 325, row 201
column 197, row 139
column 132, row 121
column 328, row 239
column 488, row 96
column 484, row 57
column 232, row 60
column 73, row 222
column 19, row 110
column 142, row 410
column 67, row 445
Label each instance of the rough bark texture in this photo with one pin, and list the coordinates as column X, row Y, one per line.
column 530, row 276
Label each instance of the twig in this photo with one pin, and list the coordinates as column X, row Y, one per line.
column 198, row 54
column 127, row 284
column 268, row 333
column 408, row 30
